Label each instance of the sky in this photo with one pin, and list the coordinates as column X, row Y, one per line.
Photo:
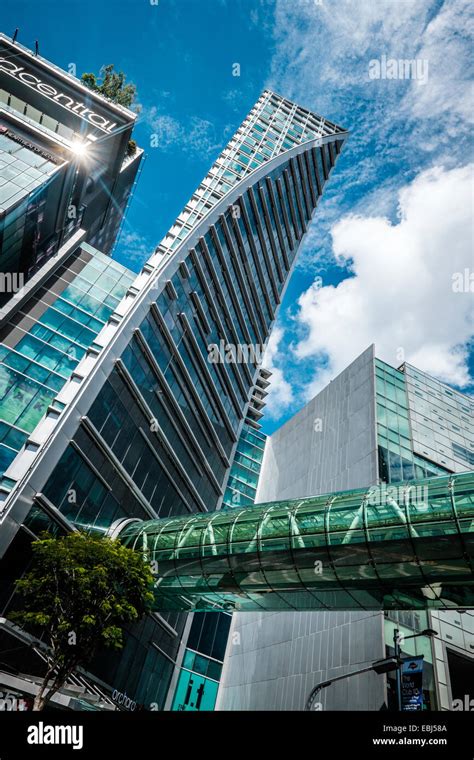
column 389, row 257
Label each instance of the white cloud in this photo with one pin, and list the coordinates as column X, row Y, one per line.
column 166, row 128
column 199, row 137
column 399, row 130
column 196, row 136
column 331, row 43
column 401, row 295
column 398, row 127
column 133, row 249
column 280, row 395
column 446, row 44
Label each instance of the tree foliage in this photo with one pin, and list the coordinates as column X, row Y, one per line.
column 112, row 85
column 79, row 593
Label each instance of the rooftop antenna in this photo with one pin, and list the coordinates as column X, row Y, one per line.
column 36, row 47
column 15, row 35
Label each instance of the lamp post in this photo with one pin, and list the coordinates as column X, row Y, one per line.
column 397, row 649
column 380, row 666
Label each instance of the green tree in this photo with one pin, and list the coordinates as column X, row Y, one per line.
column 131, row 147
column 79, row 593
column 112, row 86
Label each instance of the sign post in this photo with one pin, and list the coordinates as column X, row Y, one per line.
column 412, row 684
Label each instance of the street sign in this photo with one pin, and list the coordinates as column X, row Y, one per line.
column 412, row 684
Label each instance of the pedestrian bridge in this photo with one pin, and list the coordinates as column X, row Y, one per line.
column 410, row 545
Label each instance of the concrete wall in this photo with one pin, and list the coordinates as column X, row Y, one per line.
column 330, row 444
column 273, row 660
column 456, row 633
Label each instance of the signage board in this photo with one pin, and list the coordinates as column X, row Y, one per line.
column 412, row 684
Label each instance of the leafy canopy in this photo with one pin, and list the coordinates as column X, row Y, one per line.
column 112, row 86
column 80, row 591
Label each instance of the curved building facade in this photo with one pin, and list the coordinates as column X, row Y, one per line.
column 147, row 423
column 405, row 546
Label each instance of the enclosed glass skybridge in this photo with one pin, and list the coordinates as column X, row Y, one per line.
column 408, row 545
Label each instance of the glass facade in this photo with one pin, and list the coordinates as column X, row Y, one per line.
column 49, row 190
column 45, row 339
column 407, row 622
column 424, row 428
column 442, row 421
column 31, row 185
column 209, row 630
column 22, row 170
column 397, row 458
column 194, row 691
column 273, row 126
column 382, row 548
column 198, row 681
column 243, row 478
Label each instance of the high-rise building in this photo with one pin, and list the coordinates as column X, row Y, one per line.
column 202, row 655
column 242, row 482
column 44, row 339
column 147, row 424
column 67, row 162
column 372, row 425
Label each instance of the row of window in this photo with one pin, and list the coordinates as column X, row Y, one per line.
column 237, row 314
column 169, row 423
column 265, row 133
column 38, row 117
column 128, row 434
column 184, row 393
column 48, row 345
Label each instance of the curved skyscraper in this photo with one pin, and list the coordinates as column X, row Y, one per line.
column 146, row 416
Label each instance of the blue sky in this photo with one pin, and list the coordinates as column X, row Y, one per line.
column 394, row 226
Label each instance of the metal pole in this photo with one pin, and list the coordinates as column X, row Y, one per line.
column 396, row 646
column 324, row 684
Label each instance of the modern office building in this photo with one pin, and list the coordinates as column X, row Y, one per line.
column 66, row 163
column 146, row 425
column 242, row 482
column 194, row 687
column 372, row 425
column 203, row 648
column 43, row 341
